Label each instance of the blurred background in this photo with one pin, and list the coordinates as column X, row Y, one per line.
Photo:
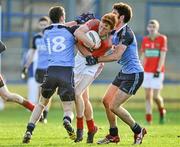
column 20, row 17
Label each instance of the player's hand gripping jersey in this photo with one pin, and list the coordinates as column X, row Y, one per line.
column 152, row 49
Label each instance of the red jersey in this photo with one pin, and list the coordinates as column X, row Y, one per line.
column 106, row 44
column 152, row 49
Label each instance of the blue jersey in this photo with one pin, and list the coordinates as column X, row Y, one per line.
column 60, row 42
column 42, row 52
column 129, row 60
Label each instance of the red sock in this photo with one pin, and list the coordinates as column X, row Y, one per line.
column 149, row 118
column 90, row 125
column 79, row 122
column 162, row 111
column 28, row 105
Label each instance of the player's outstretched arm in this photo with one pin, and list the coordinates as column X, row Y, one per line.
column 116, row 55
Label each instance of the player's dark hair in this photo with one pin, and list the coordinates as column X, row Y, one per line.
column 110, row 19
column 44, row 18
column 124, row 9
column 55, row 13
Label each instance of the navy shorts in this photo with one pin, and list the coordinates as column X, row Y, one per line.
column 129, row 83
column 39, row 75
column 62, row 78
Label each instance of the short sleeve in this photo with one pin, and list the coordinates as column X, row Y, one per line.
column 126, row 38
column 73, row 29
column 34, row 43
column 164, row 43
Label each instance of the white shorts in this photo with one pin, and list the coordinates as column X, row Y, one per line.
column 151, row 82
column 81, row 71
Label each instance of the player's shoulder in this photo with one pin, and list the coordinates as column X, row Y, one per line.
column 126, row 32
column 145, row 38
column 48, row 28
column 162, row 36
column 37, row 35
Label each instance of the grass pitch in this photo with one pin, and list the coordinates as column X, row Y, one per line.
column 14, row 118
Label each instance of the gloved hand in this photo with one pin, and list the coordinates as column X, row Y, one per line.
column 91, row 60
column 84, row 17
column 156, row 74
column 24, row 73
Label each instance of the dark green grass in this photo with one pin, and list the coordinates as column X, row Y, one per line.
column 13, row 121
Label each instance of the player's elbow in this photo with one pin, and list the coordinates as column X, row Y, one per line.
column 115, row 57
column 78, row 33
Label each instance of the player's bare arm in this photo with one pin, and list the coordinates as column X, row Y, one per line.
column 84, row 51
column 116, row 55
column 80, row 34
column 30, row 56
column 161, row 60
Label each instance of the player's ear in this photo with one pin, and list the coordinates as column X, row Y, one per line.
column 122, row 18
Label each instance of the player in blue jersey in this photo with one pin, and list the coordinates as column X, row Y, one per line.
column 40, row 52
column 127, row 81
column 60, row 42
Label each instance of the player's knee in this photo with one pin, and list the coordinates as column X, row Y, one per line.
column 86, row 101
column 68, row 95
column 78, row 96
column 148, row 96
column 44, row 101
column 6, row 96
column 112, row 108
column 105, row 103
column 47, row 93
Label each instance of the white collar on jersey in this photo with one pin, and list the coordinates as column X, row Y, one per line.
column 121, row 27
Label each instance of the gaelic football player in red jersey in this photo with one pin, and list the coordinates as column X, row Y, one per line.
column 154, row 48
column 6, row 95
column 85, row 75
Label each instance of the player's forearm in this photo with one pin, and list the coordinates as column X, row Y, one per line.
column 142, row 58
column 109, row 58
column 161, row 61
column 83, row 50
column 29, row 58
column 81, row 35
column 71, row 23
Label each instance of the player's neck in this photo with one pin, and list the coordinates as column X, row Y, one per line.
column 119, row 26
column 104, row 37
column 153, row 36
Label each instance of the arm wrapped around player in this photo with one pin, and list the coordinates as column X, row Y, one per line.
column 91, row 60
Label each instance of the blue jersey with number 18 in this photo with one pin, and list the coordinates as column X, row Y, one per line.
column 60, row 43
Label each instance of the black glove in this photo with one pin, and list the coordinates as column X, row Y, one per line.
column 84, row 17
column 24, row 73
column 91, row 60
column 2, row 47
column 156, row 74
